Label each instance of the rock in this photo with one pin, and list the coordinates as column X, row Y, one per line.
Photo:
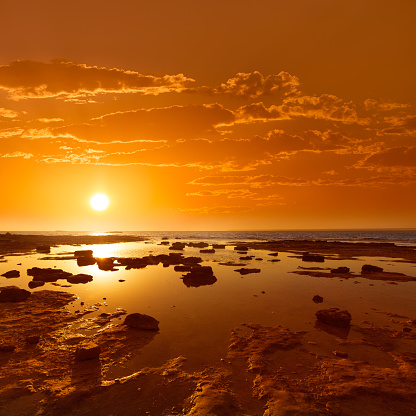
column 207, row 250
column 186, row 268
column 141, row 321
column 87, row 350
column 164, row 243
column 11, row 274
column 85, row 261
column 244, row 271
column 43, row 249
column 199, row 276
column 340, row 354
column 246, row 257
column 79, row 278
column 241, row 248
column 407, row 329
column 32, row 339
column 47, row 275
column 198, row 245
column 106, row 263
column 177, row 246
column 341, row 270
column 34, row 284
column 318, row 299
column 334, row 317
column 13, row 294
column 218, row 246
column 273, row 254
column 7, row 347
column 368, row 268
column 83, row 253
column 313, row 257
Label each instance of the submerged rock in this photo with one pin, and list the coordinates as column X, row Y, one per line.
column 87, row 350
column 334, row 317
column 11, row 274
column 341, row 270
column 141, row 321
column 13, row 294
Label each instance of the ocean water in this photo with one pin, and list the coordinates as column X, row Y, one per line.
column 398, row 236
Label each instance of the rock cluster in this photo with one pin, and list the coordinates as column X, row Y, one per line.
column 199, row 276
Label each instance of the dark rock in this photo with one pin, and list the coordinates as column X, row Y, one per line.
column 83, row 253
column 318, row 299
column 407, row 329
column 207, row 250
column 198, row 245
column 341, row 270
column 43, row 249
column 34, row 284
column 334, row 317
column 106, row 263
column 313, row 257
column 259, row 259
column 244, row 271
column 47, row 275
column 87, row 350
column 13, row 294
column 274, row 260
column 11, row 274
column 368, row 268
column 141, row 321
column 241, row 248
column 7, row 347
column 218, row 246
column 164, row 243
column 273, row 254
column 246, row 258
column 32, row 339
column 186, row 268
column 79, row 278
column 199, row 276
column 85, row 261
column 340, row 354
column 177, row 246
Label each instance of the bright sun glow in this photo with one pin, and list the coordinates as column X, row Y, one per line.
column 99, row 202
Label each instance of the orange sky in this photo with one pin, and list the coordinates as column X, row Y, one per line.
column 197, row 115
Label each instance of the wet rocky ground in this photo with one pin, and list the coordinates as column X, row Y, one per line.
column 359, row 367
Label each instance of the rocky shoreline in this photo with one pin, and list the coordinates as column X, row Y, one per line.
column 49, row 369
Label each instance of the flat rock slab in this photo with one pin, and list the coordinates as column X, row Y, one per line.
column 87, row 350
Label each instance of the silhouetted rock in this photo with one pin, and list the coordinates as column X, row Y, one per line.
column 105, row 263
column 244, row 271
column 177, row 246
column 318, row 299
column 79, row 278
column 273, row 254
column 334, row 317
column 47, row 274
column 83, row 253
column 85, row 261
column 312, row 257
column 87, row 350
column 341, row 270
column 207, row 250
column 141, row 321
column 199, row 276
column 368, row 268
column 218, row 246
column 164, row 243
column 43, row 249
column 241, row 248
column 198, row 245
column 246, row 257
column 11, row 274
column 183, row 268
column 32, row 284
column 13, row 294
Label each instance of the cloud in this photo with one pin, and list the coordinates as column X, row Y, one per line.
column 18, row 154
column 400, row 156
column 224, row 209
column 7, row 113
column 30, row 79
column 327, row 107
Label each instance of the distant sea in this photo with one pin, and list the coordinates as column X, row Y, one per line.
column 398, row 236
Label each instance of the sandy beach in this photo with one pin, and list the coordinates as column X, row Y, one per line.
column 63, row 354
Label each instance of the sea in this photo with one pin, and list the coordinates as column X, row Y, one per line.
column 397, row 236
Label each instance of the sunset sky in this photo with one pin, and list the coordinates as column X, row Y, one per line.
column 208, row 115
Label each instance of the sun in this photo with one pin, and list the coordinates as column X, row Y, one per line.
column 99, row 202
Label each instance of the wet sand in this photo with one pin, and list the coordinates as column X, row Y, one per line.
column 367, row 367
